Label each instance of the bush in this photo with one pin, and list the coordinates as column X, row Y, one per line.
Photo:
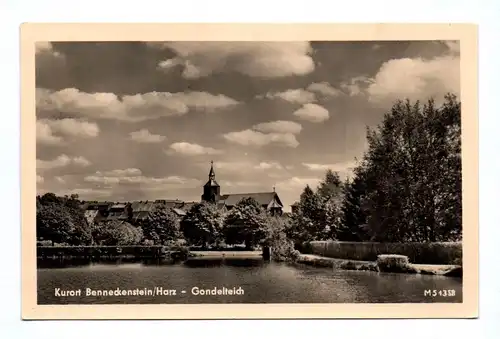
column 418, row 253
column 392, row 263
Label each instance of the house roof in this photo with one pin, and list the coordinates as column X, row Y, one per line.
column 141, row 215
column 142, row 206
column 179, row 212
column 263, row 198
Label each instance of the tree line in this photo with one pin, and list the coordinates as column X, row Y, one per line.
column 405, row 188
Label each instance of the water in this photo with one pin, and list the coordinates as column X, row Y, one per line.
column 261, row 283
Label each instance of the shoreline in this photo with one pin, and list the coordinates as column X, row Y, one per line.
column 303, row 259
column 359, row 265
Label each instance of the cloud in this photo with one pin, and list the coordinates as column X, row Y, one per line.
column 338, row 167
column 46, row 48
column 279, row 132
column 324, row 88
column 134, row 176
column 60, row 179
column 61, row 161
column 132, row 108
column 357, row 85
column 297, row 183
column 312, row 113
column 39, row 179
column 279, row 126
column 255, row 138
column 415, row 79
column 453, row 46
column 269, row 166
column 44, row 134
column 52, row 131
column 121, row 172
column 299, row 96
column 189, row 149
column 255, row 59
column 144, row 136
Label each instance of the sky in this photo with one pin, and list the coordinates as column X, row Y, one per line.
column 122, row 121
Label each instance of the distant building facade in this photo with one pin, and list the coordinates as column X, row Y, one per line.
column 137, row 211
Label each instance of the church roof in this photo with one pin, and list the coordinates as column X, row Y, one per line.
column 263, row 198
column 212, row 183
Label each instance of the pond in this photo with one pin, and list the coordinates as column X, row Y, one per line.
column 239, row 281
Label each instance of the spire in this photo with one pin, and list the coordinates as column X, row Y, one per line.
column 211, row 175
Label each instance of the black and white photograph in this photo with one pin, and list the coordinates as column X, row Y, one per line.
column 249, row 172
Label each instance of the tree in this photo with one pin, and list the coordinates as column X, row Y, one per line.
column 411, row 177
column 116, row 233
column 331, row 186
column 161, row 226
column 353, row 216
column 61, row 220
column 309, row 221
column 202, row 225
column 282, row 248
column 246, row 222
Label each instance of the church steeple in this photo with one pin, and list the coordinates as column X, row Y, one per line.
column 211, row 190
column 211, row 175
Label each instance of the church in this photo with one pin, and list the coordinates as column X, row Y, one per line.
column 270, row 201
column 139, row 210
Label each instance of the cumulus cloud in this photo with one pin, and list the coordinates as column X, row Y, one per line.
column 356, row 85
column 45, row 47
column 189, row 149
column 52, row 131
column 415, row 79
column 312, row 113
column 61, row 161
column 44, row 134
column 255, row 138
column 279, row 126
column 255, row 59
column 280, row 132
column 299, row 96
column 145, row 136
column 39, row 179
column 132, row 108
column 324, row 88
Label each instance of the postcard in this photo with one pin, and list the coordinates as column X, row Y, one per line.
column 242, row 171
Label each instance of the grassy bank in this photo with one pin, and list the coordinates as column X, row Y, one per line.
column 417, row 253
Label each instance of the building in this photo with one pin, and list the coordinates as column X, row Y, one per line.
column 137, row 211
column 270, row 201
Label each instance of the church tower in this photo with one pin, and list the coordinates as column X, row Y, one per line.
column 211, row 190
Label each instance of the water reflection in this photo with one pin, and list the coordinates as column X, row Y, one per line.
column 263, row 282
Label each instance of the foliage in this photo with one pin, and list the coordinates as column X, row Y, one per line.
column 60, row 220
column 116, row 233
column 246, row 222
column 413, row 174
column 276, row 238
column 161, row 226
column 202, row 224
column 353, row 217
column 319, row 213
